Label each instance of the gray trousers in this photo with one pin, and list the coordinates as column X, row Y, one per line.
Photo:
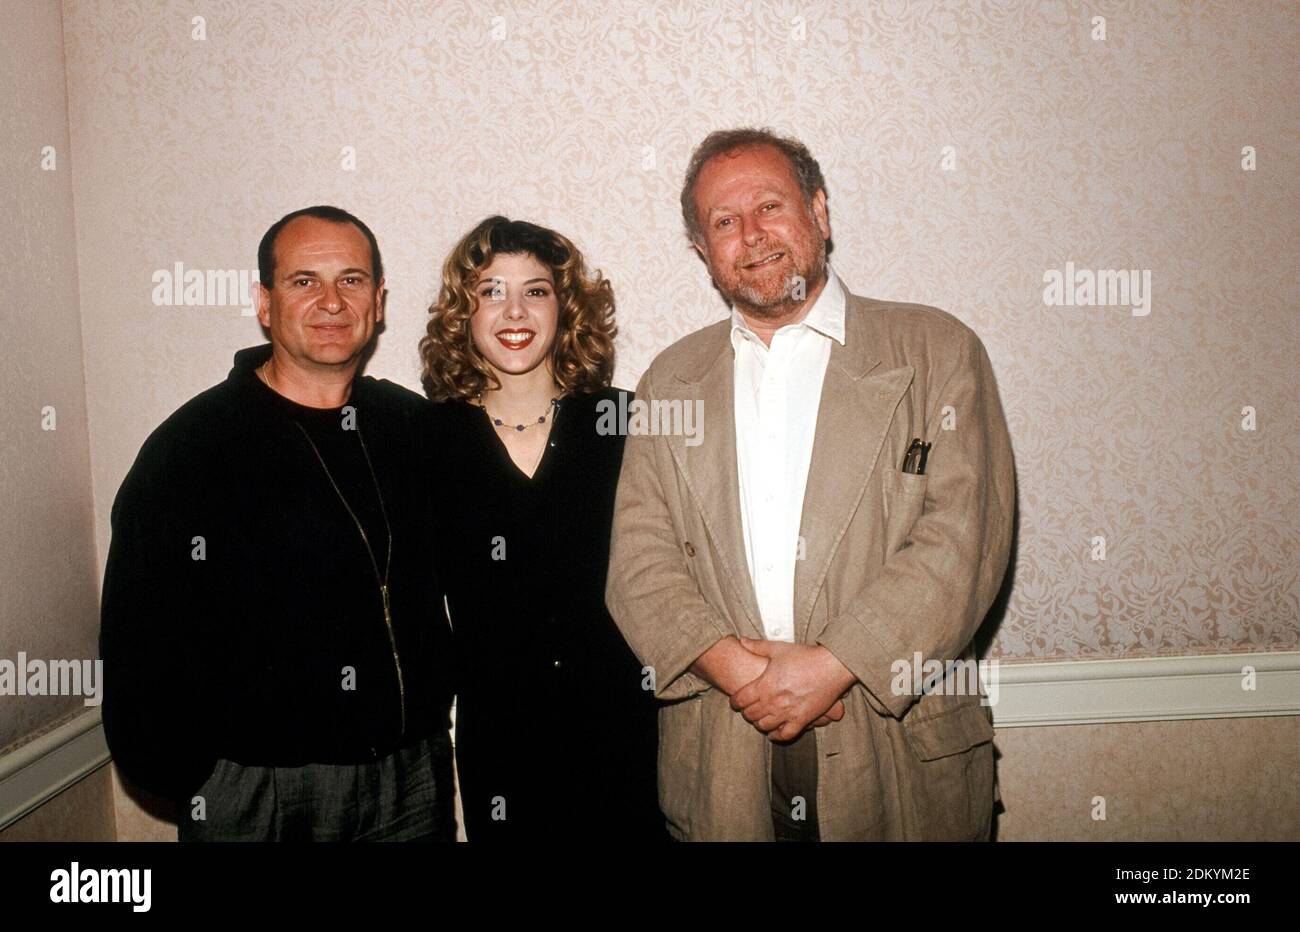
column 406, row 796
column 794, row 789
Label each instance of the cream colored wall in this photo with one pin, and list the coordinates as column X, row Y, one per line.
column 83, row 812
column 1124, row 153
column 48, row 581
column 1209, row 780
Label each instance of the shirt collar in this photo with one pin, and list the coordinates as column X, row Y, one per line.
column 826, row 316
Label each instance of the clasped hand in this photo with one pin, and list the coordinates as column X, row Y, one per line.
column 780, row 688
column 800, row 686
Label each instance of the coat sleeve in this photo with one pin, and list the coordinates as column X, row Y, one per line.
column 932, row 594
column 650, row 592
column 151, row 695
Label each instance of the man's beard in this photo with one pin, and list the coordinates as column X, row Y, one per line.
column 749, row 300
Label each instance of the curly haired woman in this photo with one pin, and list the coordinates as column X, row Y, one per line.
column 555, row 735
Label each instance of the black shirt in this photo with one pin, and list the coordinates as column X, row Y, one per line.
column 553, row 726
column 338, row 444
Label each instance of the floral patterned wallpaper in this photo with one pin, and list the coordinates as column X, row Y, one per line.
column 991, row 159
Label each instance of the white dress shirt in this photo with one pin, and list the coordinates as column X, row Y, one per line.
column 778, row 393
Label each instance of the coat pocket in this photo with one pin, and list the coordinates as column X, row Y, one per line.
column 950, row 732
column 902, row 503
column 951, row 791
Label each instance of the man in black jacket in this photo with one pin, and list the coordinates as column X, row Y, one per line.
column 276, row 652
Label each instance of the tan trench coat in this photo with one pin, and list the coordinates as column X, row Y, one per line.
column 893, row 564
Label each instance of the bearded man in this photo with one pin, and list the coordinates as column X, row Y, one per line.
column 775, row 575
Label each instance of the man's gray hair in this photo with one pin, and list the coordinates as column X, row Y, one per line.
column 806, row 170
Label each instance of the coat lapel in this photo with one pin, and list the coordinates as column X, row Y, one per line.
column 710, row 466
column 853, row 416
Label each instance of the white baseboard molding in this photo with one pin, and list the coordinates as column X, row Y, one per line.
column 1029, row 694
column 35, row 772
column 1149, row 689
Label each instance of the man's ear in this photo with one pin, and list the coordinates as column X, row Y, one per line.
column 820, row 214
column 381, row 298
column 262, row 297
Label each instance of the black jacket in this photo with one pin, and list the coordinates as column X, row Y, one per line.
column 242, row 617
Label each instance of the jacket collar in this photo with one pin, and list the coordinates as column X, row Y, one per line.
column 243, row 373
column 247, row 360
column 854, row 357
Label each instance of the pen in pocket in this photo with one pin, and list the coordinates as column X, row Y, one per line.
column 914, row 459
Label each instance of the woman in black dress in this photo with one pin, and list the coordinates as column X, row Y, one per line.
column 555, row 731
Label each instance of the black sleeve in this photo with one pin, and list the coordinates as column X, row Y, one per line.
column 152, row 695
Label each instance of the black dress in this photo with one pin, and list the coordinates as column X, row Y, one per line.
column 556, row 738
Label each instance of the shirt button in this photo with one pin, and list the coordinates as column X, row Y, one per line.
column 557, row 664
column 690, row 549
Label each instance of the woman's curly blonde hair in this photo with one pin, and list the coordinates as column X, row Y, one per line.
column 582, row 357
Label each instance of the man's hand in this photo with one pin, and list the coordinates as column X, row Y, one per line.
column 800, row 686
column 833, row 714
column 729, row 666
